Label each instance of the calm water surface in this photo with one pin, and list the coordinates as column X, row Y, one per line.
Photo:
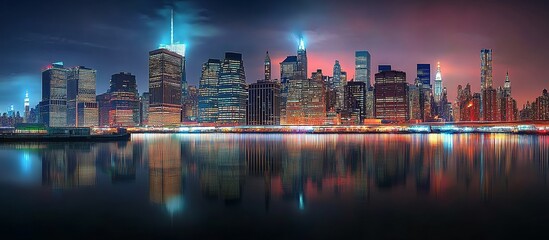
column 300, row 186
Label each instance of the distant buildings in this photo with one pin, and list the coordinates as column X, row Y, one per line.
column 207, row 91
column 165, row 73
column 232, row 93
column 53, row 107
column 391, row 96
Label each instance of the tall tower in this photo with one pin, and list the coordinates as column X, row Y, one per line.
column 267, row 67
column 53, row 107
column 485, row 69
column 507, row 85
column 301, row 59
column 363, row 67
column 207, row 91
column 27, row 107
column 438, row 84
column 179, row 48
column 339, row 86
column 165, row 87
column 232, row 91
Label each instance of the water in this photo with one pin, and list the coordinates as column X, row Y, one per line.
column 278, row 186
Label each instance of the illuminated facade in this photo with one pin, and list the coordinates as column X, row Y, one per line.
column 306, row 103
column 302, row 70
column 363, row 63
column 424, row 74
column 338, row 87
column 355, row 103
column 438, row 85
column 144, row 102
column 391, row 96
column 124, row 100
column 414, row 97
column 207, row 91
column 540, row 107
column 267, row 67
column 288, row 71
column 232, row 91
column 490, row 105
column 164, row 88
column 485, row 69
column 190, row 105
column 81, row 102
column 263, row 103
column 53, row 107
column 27, row 107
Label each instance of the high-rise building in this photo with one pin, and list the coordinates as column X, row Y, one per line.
column 288, row 71
column 363, row 64
column 355, row 103
column 485, row 69
column 27, row 107
column 507, row 85
column 144, row 103
column 302, row 70
column 424, row 74
column 338, row 87
column 267, row 67
column 414, row 97
column 165, row 74
column 81, row 102
column 540, row 107
column 53, row 107
column 190, row 105
column 124, row 99
column 232, row 91
column 383, row 68
column 438, row 85
column 207, row 91
column 264, row 103
column 391, row 96
column 490, row 104
column 179, row 48
column 306, row 102
column 104, row 107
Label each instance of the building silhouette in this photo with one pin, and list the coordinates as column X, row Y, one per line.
column 263, row 103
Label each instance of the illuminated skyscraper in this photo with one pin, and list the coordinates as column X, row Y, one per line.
column 363, row 64
column 490, row 104
column 507, row 85
column 207, row 91
column 53, row 107
column 27, row 107
column 190, row 105
column 302, row 69
column 264, row 103
column 165, row 87
column 438, row 85
column 180, row 49
column 355, row 103
column 424, row 74
column 391, row 96
column 81, row 99
column 232, row 91
column 144, row 102
column 485, row 69
column 124, row 100
column 267, row 66
column 339, row 87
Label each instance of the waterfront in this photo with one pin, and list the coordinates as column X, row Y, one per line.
column 279, row 186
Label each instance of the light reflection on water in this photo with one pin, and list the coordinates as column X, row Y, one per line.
column 244, row 180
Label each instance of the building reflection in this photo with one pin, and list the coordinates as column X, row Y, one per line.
column 164, row 156
column 69, row 165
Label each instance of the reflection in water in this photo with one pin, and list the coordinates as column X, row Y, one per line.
column 298, row 172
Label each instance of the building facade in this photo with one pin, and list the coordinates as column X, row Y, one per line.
column 124, row 100
column 391, row 96
column 263, row 103
column 363, row 63
column 232, row 91
column 53, row 107
column 207, row 91
column 165, row 73
column 355, row 103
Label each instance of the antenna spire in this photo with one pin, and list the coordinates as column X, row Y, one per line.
column 171, row 33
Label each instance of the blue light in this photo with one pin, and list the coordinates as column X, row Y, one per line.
column 301, row 203
column 25, row 163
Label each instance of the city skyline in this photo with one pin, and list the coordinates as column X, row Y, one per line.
column 27, row 50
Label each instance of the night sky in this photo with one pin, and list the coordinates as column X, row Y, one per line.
column 113, row 36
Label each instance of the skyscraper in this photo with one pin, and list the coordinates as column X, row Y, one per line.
column 144, row 103
column 438, row 85
column 355, row 103
column 302, row 70
column 81, row 99
column 264, row 103
column 164, row 87
column 507, row 85
column 180, row 49
column 27, row 107
column 339, row 87
column 53, row 107
column 104, row 107
column 232, row 91
column 363, row 67
column 391, row 96
column 267, row 68
column 190, row 105
column 124, row 100
column 288, row 71
column 424, row 74
column 207, row 91
column 485, row 69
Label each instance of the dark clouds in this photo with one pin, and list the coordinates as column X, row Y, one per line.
column 113, row 36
